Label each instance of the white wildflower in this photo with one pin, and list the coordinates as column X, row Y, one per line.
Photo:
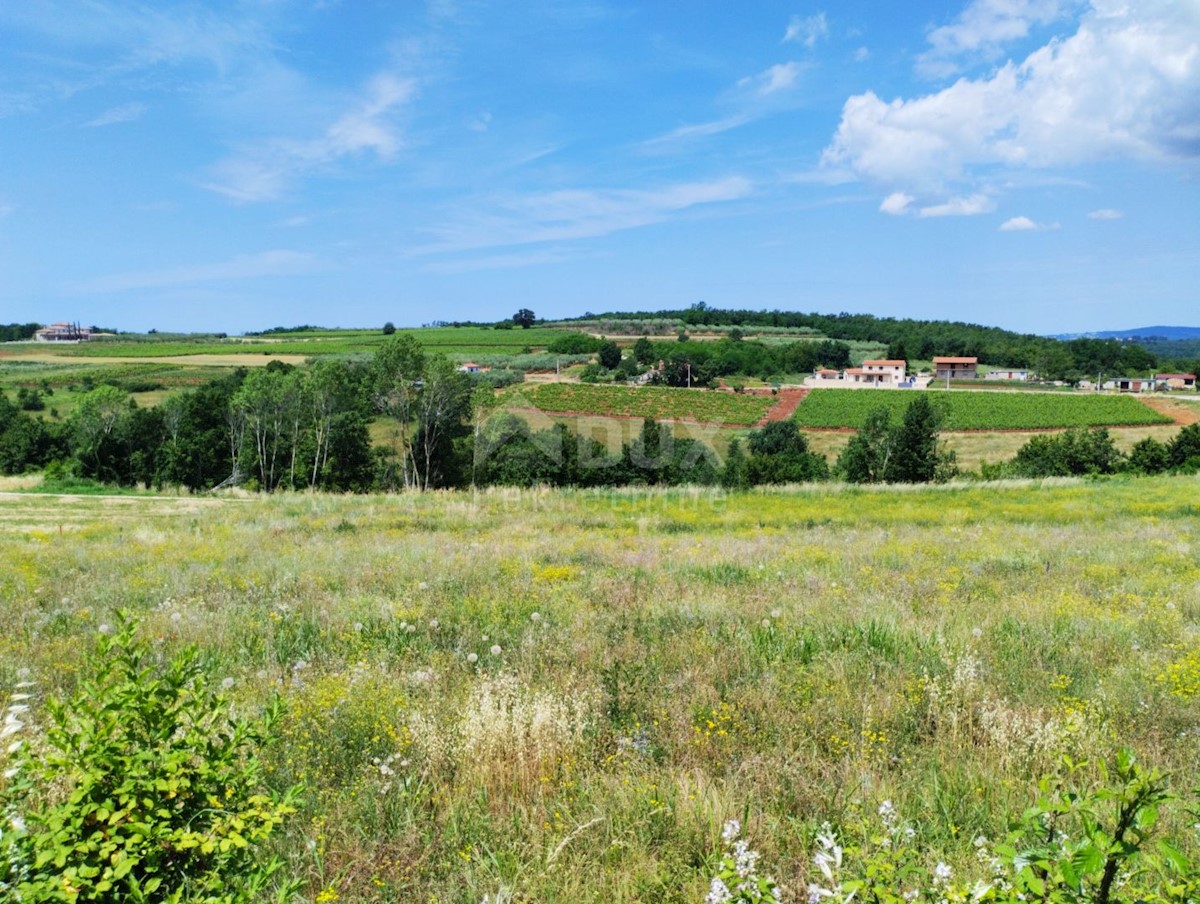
column 718, row 893
column 731, row 831
column 942, row 873
column 776, row 613
column 495, row 650
column 411, row 629
column 358, row 626
column 887, row 813
column 105, row 629
column 472, row 658
column 535, row 616
column 744, row 859
column 434, row 624
column 226, row 684
column 423, row 586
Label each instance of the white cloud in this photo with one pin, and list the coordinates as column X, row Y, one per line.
column 1126, row 84
column 124, row 113
column 807, row 30
column 243, row 266
column 266, row 170
column 698, row 130
column 984, row 27
column 896, row 203
column 775, row 78
column 577, row 214
column 1019, row 224
column 1106, row 213
column 862, row 54
column 969, row 206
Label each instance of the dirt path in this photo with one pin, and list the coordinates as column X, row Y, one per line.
column 785, row 406
column 1183, row 412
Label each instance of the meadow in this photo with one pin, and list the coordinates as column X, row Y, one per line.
column 838, row 408
column 563, row 696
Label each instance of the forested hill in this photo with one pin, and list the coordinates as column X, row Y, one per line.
column 922, row 339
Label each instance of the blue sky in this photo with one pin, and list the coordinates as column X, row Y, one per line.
column 1033, row 164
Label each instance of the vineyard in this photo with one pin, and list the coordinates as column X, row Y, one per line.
column 661, row 403
column 833, row 408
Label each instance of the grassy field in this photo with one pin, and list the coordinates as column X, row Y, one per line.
column 577, row 689
column 979, row 410
column 659, row 402
column 447, row 340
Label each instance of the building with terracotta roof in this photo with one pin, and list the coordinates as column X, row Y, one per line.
column 1177, row 381
column 955, row 368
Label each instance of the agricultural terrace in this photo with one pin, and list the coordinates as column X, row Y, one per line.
column 658, row 402
column 561, row 696
column 833, row 408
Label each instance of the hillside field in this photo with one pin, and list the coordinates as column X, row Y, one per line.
column 573, row 691
column 659, row 402
column 840, row 408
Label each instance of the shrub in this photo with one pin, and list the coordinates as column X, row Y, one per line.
column 143, row 787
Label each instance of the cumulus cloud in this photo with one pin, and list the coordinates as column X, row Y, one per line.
column 896, row 203
column 1126, row 84
column 1018, row 224
column 807, row 30
column 1106, row 213
column 265, row 171
column 984, row 27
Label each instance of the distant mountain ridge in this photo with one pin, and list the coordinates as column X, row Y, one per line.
column 1141, row 332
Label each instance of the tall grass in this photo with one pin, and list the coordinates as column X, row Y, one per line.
column 562, row 696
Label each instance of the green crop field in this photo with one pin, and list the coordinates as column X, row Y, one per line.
column 659, row 402
column 561, row 697
column 448, row 340
column 979, row 410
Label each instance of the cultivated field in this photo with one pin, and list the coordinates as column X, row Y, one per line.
column 839, row 408
column 659, row 402
column 562, row 696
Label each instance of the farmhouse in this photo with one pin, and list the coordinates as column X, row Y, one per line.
column 955, row 368
column 1136, row 384
column 1177, row 381
column 1015, row 376
column 825, row 375
column 889, row 371
column 470, row 367
column 63, row 332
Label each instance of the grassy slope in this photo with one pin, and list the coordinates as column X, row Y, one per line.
column 782, row 658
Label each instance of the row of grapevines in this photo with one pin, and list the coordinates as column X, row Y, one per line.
column 659, row 402
column 967, row 410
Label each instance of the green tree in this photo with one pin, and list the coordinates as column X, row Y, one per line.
column 397, row 376
column 914, row 454
column 389, row 328
column 735, row 475
column 1185, row 448
column 93, row 426
column 779, row 454
column 1149, row 456
column 643, row 351
column 524, row 318
column 865, row 458
column 610, row 355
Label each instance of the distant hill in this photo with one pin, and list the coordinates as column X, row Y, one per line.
column 1169, row 333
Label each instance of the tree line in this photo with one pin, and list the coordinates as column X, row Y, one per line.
column 913, row 339
column 284, row 427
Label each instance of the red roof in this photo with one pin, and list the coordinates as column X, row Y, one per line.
column 953, row 360
column 885, row 362
column 1174, row 376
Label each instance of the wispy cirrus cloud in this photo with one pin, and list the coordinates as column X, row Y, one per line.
column 266, row 170
column 115, row 115
column 983, row 28
column 280, row 262
column 1105, row 213
column 807, row 30
column 774, row 78
column 572, row 214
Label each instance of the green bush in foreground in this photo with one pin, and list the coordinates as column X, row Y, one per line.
column 142, row 787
